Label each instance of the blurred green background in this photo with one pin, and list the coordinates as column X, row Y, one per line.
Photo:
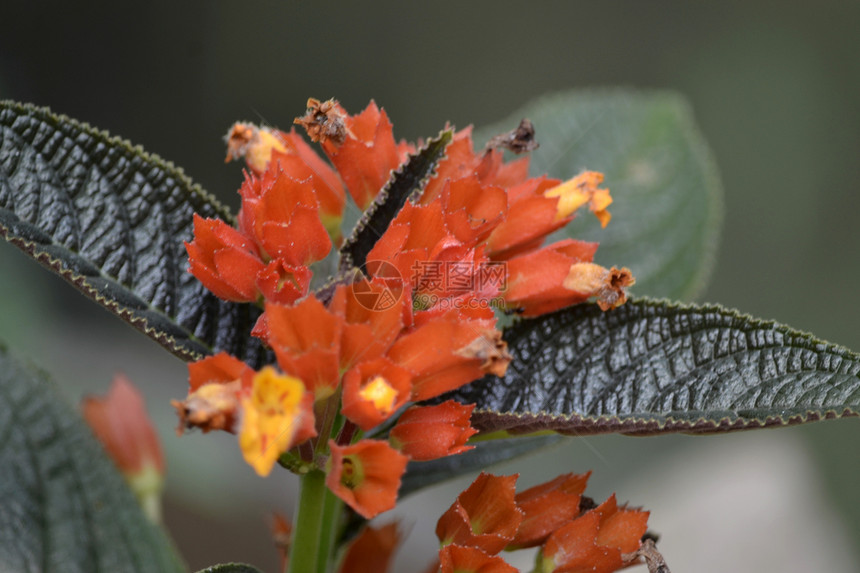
column 775, row 88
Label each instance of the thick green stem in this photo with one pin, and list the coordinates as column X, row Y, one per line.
column 332, row 509
column 309, row 526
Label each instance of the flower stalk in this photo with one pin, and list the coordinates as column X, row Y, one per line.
column 312, row 526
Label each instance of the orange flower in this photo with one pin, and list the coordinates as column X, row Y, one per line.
column 462, row 161
column 283, row 283
column 472, row 209
column 217, row 384
column 373, row 314
column 595, row 541
column 306, row 341
column 366, row 475
column 547, row 507
column 282, row 214
column 373, row 391
column 430, row 432
column 540, row 206
column 440, row 265
column 446, row 353
column 121, row 424
column 485, row 515
column 277, row 416
column 560, row 275
column 372, row 550
column 417, row 237
column 362, row 146
column 261, row 146
column 458, row 559
column 224, row 260
column 531, row 217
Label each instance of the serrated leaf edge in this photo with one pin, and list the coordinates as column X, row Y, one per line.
column 124, row 312
column 346, row 263
column 46, row 114
column 633, row 424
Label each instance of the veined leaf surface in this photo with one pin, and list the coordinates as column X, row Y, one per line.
column 651, row 367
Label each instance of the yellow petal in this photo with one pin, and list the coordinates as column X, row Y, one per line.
column 270, row 418
column 582, row 189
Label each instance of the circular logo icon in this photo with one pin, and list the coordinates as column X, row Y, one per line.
column 383, row 288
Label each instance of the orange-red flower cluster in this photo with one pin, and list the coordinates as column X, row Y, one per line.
column 483, row 223
column 419, row 322
column 489, row 517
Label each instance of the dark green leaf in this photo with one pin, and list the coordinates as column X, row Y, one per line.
column 111, row 219
column 423, row 474
column 65, row 507
column 407, row 182
column 667, row 209
column 230, row 568
column 651, row 367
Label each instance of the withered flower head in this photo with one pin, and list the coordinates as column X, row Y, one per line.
column 492, row 350
column 324, row 121
column 519, row 140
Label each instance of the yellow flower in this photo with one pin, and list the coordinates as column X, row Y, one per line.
column 277, row 416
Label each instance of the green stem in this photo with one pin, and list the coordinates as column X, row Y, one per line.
column 305, row 549
column 332, row 510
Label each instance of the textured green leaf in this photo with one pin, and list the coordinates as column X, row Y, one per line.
column 230, row 568
column 668, row 206
column 423, row 474
column 65, row 507
column 406, row 182
column 651, row 367
column 111, row 219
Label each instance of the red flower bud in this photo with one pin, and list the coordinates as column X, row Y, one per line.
column 430, row 432
column 224, row 260
column 485, row 515
column 121, row 424
column 595, row 540
column 547, row 507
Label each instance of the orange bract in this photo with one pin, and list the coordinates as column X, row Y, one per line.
column 485, row 515
column 366, row 475
column 224, row 260
column 547, row 507
column 595, row 541
column 431, row 432
column 120, row 422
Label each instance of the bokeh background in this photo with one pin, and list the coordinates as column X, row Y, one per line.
column 775, row 89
